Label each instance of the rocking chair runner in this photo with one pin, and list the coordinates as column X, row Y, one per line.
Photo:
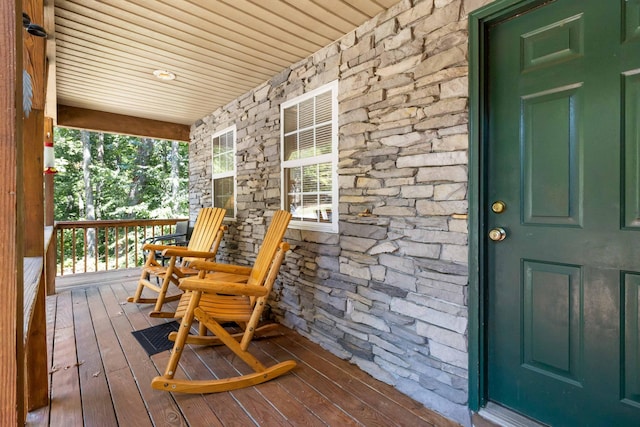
column 205, row 239
column 216, row 297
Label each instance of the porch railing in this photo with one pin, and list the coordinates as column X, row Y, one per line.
column 87, row 246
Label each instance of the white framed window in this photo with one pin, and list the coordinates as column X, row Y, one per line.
column 223, row 170
column 309, row 137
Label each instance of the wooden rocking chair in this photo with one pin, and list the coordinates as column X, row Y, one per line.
column 216, row 296
column 205, row 239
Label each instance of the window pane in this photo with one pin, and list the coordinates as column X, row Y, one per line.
column 291, row 147
column 223, row 153
column 293, row 179
column 217, row 165
column 323, row 108
column 324, row 177
column 290, row 119
column 309, row 208
column 310, row 179
column 306, row 144
column 309, row 184
column 306, row 113
column 325, row 208
column 216, row 146
column 228, row 161
column 323, row 140
column 223, row 195
column 225, row 142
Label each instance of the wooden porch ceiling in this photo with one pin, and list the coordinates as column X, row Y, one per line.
column 103, row 53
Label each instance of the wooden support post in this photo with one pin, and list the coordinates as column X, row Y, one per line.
column 49, row 186
column 11, row 305
column 33, row 183
column 50, row 265
column 36, row 381
column 48, row 178
column 37, row 370
column 33, row 139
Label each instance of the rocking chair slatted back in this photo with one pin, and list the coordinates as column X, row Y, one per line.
column 205, row 236
column 217, row 297
column 272, row 240
column 205, row 240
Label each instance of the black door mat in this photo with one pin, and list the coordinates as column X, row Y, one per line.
column 155, row 339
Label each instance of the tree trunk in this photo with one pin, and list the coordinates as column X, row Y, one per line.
column 100, row 161
column 140, row 177
column 90, row 213
column 175, row 177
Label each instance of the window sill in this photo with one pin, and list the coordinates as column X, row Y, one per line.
column 310, row 226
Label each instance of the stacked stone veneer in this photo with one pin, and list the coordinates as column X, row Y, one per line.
column 389, row 291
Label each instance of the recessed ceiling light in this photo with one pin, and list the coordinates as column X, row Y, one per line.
column 164, row 75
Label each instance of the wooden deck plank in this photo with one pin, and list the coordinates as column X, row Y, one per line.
column 222, row 404
column 352, row 403
column 193, row 407
column 392, row 401
column 373, row 397
column 322, row 390
column 318, row 404
column 66, row 405
column 96, row 409
column 127, row 402
column 222, row 362
column 293, row 409
column 283, row 399
column 162, row 409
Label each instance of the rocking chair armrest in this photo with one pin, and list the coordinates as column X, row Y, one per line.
column 184, row 252
column 227, row 288
column 156, row 247
column 223, row 268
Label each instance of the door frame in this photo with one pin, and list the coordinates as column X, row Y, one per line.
column 479, row 22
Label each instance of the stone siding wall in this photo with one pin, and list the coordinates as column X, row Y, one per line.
column 389, row 291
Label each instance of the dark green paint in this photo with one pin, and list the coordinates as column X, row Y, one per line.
column 553, row 307
column 479, row 22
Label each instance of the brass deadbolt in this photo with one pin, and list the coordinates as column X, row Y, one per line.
column 498, row 207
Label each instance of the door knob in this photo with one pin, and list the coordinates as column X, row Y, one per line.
column 498, row 206
column 497, row 234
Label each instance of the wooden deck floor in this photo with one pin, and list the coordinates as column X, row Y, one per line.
column 100, row 375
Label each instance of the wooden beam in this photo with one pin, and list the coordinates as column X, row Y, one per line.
column 34, row 53
column 100, row 121
column 50, row 25
column 33, row 183
column 37, row 369
column 33, row 133
column 48, row 178
column 35, row 351
column 11, row 305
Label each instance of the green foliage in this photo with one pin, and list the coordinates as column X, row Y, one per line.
column 114, row 175
column 130, row 178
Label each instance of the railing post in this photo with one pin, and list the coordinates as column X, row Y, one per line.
column 96, row 249
column 127, row 244
column 61, row 252
column 85, row 248
column 106, row 248
column 73, row 251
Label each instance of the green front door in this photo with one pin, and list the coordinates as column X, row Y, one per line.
column 563, row 157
